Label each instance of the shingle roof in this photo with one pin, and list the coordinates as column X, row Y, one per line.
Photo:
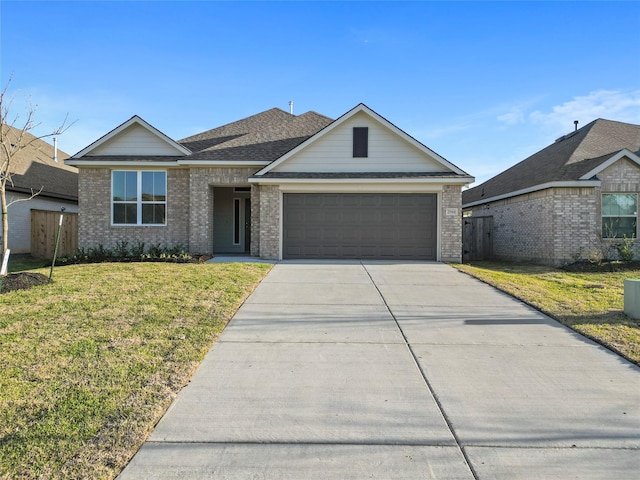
column 567, row 159
column 262, row 137
column 33, row 168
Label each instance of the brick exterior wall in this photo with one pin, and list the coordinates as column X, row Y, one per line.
column 450, row 224
column 94, row 218
column 621, row 177
column 270, row 200
column 558, row 225
column 190, row 221
column 201, row 183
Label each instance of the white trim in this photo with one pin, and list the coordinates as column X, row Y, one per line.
column 221, row 163
column 139, row 202
column 603, row 216
column 133, row 120
column 120, row 163
column 87, row 162
column 360, row 188
column 622, row 153
column 357, row 109
column 434, row 180
column 536, row 188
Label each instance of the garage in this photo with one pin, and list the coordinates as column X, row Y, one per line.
column 381, row 226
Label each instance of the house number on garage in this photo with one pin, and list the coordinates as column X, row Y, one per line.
column 451, row 212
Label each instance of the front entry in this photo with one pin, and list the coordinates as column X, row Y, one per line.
column 231, row 219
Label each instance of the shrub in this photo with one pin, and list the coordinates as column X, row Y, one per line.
column 625, row 249
column 137, row 249
column 155, row 251
column 122, row 248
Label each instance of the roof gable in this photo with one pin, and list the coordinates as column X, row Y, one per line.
column 135, row 137
column 575, row 157
column 329, row 150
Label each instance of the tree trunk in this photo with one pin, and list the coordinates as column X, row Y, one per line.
column 5, row 221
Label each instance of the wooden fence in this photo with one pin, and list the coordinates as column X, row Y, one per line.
column 44, row 228
column 477, row 238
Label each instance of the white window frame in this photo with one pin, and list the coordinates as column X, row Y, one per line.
column 139, row 202
column 603, row 216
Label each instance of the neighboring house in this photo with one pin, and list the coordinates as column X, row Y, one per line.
column 35, row 170
column 274, row 185
column 573, row 200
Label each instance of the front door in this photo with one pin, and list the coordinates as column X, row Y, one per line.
column 231, row 220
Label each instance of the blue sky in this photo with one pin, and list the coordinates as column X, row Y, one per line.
column 484, row 84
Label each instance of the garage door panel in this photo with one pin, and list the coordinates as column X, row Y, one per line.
column 372, row 226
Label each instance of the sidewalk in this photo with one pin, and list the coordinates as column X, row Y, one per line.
column 385, row 370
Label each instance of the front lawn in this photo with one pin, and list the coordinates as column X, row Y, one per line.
column 90, row 362
column 591, row 303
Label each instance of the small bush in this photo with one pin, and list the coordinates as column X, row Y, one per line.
column 122, row 248
column 137, row 249
column 625, row 249
column 155, row 251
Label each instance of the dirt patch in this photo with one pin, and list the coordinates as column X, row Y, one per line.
column 22, row 281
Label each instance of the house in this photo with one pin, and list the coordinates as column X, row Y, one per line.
column 38, row 167
column 575, row 199
column 274, row 185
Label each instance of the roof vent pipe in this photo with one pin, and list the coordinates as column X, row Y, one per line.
column 55, row 149
column 291, row 107
column 575, row 123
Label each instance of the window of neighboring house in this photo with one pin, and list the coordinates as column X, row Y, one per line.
column 360, row 142
column 138, row 197
column 619, row 215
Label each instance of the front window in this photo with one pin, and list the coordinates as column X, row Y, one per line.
column 619, row 215
column 139, row 198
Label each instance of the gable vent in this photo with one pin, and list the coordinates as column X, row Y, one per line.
column 360, row 142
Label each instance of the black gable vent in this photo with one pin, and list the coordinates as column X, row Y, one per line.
column 360, row 142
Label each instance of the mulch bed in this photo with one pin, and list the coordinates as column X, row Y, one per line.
column 606, row 266
column 22, row 281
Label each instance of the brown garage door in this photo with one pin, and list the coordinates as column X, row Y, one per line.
column 350, row 225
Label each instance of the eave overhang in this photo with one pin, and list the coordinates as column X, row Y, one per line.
column 536, row 188
column 262, row 180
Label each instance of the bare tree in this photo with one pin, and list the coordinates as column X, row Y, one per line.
column 15, row 135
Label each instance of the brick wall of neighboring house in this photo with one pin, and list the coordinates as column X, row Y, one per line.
column 558, row 225
column 451, row 224
column 270, row 200
column 201, row 182
column 621, row 177
column 576, row 224
column 522, row 226
column 94, row 219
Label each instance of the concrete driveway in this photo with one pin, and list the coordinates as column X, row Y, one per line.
column 385, row 370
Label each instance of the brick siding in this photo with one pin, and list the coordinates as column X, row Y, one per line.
column 451, row 224
column 270, row 201
column 190, row 221
column 94, row 218
column 556, row 226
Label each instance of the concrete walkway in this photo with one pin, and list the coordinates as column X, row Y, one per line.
column 357, row 370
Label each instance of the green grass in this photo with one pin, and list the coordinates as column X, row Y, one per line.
column 590, row 303
column 89, row 363
column 20, row 263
